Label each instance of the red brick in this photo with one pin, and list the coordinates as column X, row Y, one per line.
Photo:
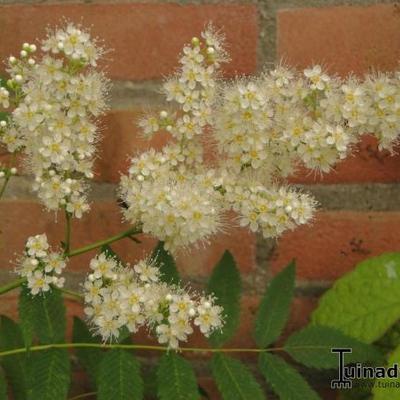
column 121, row 140
column 366, row 164
column 146, row 38
column 345, row 39
column 21, row 219
column 336, row 242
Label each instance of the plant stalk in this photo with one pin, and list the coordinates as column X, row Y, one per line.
column 100, row 243
column 4, row 185
column 11, row 285
column 136, row 347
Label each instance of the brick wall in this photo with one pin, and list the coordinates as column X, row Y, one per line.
column 360, row 200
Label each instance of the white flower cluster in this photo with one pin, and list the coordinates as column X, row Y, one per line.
column 259, row 130
column 118, row 296
column 57, row 98
column 270, row 210
column 40, row 266
column 168, row 193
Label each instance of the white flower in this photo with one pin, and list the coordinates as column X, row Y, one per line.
column 41, row 267
column 37, row 246
column 4, row 97
column 39, row 282
column 103, row 266
column 319, row 80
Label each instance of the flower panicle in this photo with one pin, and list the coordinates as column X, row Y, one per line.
column 118, row 297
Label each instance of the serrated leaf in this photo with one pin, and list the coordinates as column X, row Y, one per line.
column 176, row 379
column 225, row 283
column 312, row 347
column 285, row 381
column 49, row 375
column 166, row 264
column 3, row 387
column 15, row 365
column 274, row 309
column 234, row 380
column 364, row 303
column 109, row 252
column 45, row 316
column 150, row 382
column 119, row 377
column 26, row 315
column 89, row 358
column 387, row 390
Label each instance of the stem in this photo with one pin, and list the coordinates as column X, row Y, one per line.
column 140, row 347
column 83, row 395
column 72, row 295
column 67, row 242
column 3, row 187
column 11, row 285
column 8, row 176
column 100, row 243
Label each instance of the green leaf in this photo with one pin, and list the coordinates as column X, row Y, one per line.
column 234, row 380
column 15, row 365
column 110, row 253
column 26, row 315
column 49, row 375
column 3, row 81
column 4, row 116
column 390, row 392
column 89, row 358
column 166, row 264
column 274, row 309
column 312, row 347
column 225, row 284
column 3, row 387
column 364, row 303
column 285, row 381
column 42, row 315
column 119, row 377
column 176, row 379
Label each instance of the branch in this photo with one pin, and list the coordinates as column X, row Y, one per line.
column 142, row 347
column 100, row 243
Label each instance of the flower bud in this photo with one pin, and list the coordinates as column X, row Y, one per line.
column 195, row 41
column 3, row 124
column 163, row 114
column 13, row 171
column 23, row 53
column 12, row 60
column 210, row 50
column 31, row 61
column 32, row 48
column 192, row 312
column 2, row 174
column 18, row 78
